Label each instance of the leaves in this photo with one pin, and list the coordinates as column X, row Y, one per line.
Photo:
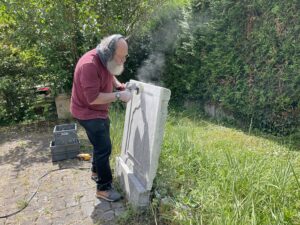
column 43, row 40
column 243, row 57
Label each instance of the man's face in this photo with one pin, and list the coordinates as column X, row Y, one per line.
column 115, row 68
column 116, row 65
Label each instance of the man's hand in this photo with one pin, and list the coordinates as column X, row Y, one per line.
column 118, row 85
column 121, row 87
column 125, row 96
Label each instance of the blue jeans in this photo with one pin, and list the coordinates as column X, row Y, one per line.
column 97, row 131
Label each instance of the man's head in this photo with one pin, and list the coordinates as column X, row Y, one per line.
column 113, row 51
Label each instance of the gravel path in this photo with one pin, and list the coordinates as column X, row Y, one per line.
column 65, row 196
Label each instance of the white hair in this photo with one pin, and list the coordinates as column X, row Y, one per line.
column 106, row 50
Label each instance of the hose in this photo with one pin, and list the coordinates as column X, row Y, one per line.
column 39, row 184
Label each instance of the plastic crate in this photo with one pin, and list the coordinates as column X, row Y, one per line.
column 65, row 134
column 65, row 127
column 62, row 152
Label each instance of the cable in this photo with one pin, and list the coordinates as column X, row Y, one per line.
column 29, row 200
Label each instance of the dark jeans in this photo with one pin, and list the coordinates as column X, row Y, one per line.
column 97, row 131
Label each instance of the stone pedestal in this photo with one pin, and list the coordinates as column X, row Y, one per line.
column 62, row 103
column 141, row 144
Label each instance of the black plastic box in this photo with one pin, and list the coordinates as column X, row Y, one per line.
column 65, row 134
column 62, row 152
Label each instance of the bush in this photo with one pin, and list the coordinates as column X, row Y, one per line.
column 242, row 56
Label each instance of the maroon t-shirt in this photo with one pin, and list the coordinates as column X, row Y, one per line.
column 90, row 78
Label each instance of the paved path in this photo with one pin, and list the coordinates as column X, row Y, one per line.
column 66, row 196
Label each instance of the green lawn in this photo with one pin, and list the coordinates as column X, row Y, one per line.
column 210, row 174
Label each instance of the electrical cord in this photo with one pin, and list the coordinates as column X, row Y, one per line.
column 29, row 200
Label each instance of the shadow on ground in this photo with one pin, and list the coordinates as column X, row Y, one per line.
column 24, row 145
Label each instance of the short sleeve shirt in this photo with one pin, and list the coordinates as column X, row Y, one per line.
column 90, row 78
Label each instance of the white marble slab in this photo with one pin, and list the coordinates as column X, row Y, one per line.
column 142, row 138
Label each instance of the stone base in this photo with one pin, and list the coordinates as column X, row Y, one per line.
column 136, row 194
column 62, row 103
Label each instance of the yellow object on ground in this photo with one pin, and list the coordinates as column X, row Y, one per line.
column 84, row 156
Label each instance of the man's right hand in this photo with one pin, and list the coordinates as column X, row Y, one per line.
column 125, row 96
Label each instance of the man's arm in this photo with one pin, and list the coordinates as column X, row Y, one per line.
column 104, row 98
column 117, row 84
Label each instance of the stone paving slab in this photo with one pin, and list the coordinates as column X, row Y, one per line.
column 65, row 196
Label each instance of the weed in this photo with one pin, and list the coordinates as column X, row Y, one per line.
column 78, row 197
column 21, row 204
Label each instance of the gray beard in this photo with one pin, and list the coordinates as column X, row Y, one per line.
column 114, row 68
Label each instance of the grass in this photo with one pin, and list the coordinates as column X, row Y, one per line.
column 219, row 175
column 212, row 174
column 21, row 204
column 117, row 117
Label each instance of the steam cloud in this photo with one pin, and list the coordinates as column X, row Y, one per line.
column 152, row 68
column 163, row 40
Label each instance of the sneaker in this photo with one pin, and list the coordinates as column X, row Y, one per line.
column 110, row 195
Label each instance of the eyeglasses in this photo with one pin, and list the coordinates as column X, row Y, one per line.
column 122, row 58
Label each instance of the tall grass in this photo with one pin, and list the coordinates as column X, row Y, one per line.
column 117, row 119
column 217, row 175
column 211, row 174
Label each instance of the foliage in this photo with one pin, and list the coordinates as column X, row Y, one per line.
column 151, row 41
column 17, row 85
column 243, row 56
column 41, row 42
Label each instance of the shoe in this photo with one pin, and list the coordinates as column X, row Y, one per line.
column 110, row 195
column 94, row 177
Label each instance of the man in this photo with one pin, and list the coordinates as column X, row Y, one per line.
column 92, row 92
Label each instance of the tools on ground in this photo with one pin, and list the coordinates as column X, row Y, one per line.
column 84, row 156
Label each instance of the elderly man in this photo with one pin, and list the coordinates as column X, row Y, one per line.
column 92, row 92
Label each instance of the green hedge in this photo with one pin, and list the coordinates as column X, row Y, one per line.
column 243, row 56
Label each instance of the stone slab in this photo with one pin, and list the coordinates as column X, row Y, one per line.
column 142, row 138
